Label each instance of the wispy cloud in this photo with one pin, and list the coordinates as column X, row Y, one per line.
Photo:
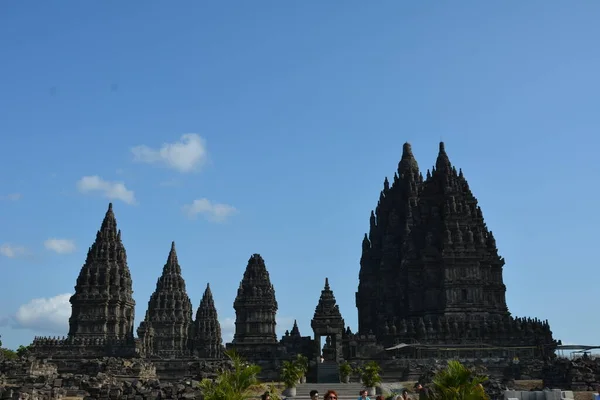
column 215, row 212
column 186, row 155
column 12, row 251
column 108, row 189
column 60, row 246
column 42, row 315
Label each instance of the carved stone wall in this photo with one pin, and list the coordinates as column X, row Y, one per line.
column 167, row 327
column 430, row 269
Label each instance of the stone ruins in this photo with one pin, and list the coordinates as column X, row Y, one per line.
column 431, row 287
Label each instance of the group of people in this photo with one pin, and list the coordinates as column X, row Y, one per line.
column 332, row 395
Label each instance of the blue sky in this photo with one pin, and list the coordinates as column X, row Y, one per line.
column 294, row 112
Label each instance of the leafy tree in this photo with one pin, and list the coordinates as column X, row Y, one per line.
column 345, row 369
column 369, row 374
column 239, row 383
column 457, row 382
column 6, row 354
column 9, row 354
column 23, row 351
column 301, row 362
column 290, row 373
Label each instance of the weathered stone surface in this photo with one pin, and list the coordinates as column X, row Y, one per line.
column 580, row 374
column 103, row 306
column 430, row 277
column 103, row 309
column 328, row 322
column 255, row 305
column 167, row 327
column 208, row 342
column 97, row 379
column 255, row 309
column 430, row 270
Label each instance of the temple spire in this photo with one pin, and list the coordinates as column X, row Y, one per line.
column 256, row 296
column 408, row 164
column 327, row 304
column 109, row 224
column 207, row 339
column 442, row 164
column 295, row 330
column 169, row 310
column 172, row 265
column 105, row 272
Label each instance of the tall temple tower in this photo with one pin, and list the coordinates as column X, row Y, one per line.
column 208, row 342
column 102, row 306
column 255, row 309
column 460, row 269
column 429, row 263
column 383, row 248
column 166, row 328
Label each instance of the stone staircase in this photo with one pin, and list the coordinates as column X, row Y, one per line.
column 328, row 372
column 346, row 391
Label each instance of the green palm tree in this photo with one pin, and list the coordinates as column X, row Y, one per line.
column 239, row 383
column 457, row 382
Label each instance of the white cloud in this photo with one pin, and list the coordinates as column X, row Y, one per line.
column 12, row 251
column 11, row 197
column 45, row 314
column 185, row 155
column 108, row 189
column 215, row 212
column 228, row 327
column 60, row 246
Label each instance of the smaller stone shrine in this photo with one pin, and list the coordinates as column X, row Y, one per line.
column 208, row 342
column 166, row 329
column 328, row 322
column 255, row 308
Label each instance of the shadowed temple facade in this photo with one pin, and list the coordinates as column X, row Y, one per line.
column 430, row 285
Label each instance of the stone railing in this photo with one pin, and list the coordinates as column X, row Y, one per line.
column 67, row 347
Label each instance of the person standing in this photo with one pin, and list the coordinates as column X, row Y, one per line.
column 363, row 395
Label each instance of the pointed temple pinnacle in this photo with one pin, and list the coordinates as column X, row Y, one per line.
column 327, row 284
column 173, row 253
column 295, row 330
column 172, row 264
column 207, row 292
column 443, row 162
column 109, row 224
column 407, row 163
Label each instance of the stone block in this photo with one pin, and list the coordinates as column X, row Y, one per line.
column 512, row 395
column 540, row 395
column 567, row 394
column 527, row 395
column 554, row 394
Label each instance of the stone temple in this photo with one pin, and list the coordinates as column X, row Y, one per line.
column 430, row 286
